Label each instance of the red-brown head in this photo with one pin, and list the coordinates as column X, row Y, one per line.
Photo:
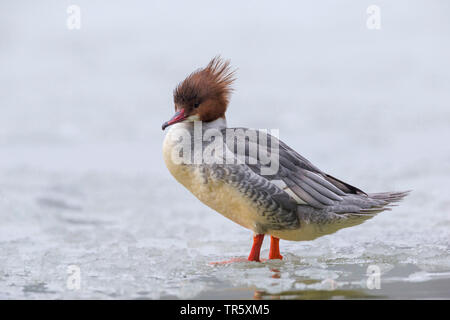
column 204, row 94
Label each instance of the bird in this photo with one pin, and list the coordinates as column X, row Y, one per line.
column 294, row 201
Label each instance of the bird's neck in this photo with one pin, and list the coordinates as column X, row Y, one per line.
column 220, row 123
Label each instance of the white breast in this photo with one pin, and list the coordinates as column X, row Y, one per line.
column 216, row 194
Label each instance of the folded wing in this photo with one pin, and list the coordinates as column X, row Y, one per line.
column 307, row 185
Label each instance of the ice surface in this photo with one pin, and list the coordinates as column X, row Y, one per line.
column 82, row 181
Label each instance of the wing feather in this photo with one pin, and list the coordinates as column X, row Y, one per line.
column 307, row 185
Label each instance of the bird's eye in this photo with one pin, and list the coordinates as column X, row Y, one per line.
column 196, row 105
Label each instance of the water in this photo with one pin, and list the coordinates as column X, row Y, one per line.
column 82, row 181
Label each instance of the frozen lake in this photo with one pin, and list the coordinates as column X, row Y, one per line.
column 83, row 185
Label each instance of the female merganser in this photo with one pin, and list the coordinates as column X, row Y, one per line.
column 296, row 201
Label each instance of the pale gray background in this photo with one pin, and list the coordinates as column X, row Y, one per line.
column 82, row 181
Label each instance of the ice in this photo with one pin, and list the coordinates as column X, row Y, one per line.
column 83, row 183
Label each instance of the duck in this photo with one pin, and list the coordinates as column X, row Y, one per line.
column 250, row 176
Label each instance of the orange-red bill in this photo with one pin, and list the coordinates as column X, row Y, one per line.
column 178, row 117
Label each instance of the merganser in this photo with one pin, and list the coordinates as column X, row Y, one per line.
column 297, row 201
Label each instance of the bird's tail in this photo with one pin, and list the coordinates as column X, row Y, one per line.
column 382, row 201
column 379, row 202
column 390, row 198
column 364, row 207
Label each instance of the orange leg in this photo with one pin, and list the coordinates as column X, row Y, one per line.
column 254, row 253
column 274, row 252
column 256, row 248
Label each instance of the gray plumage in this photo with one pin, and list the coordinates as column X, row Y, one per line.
column 306, row 194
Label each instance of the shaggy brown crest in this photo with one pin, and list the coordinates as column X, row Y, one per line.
column 206, row 92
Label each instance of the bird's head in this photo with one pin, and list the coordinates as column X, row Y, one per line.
column 204, row 94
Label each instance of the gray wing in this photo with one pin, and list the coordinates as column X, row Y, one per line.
column 278, row 209
column 308, row 186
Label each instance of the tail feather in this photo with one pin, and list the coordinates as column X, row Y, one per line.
column 389, row 197
column 386, row 201
column 346, row 216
